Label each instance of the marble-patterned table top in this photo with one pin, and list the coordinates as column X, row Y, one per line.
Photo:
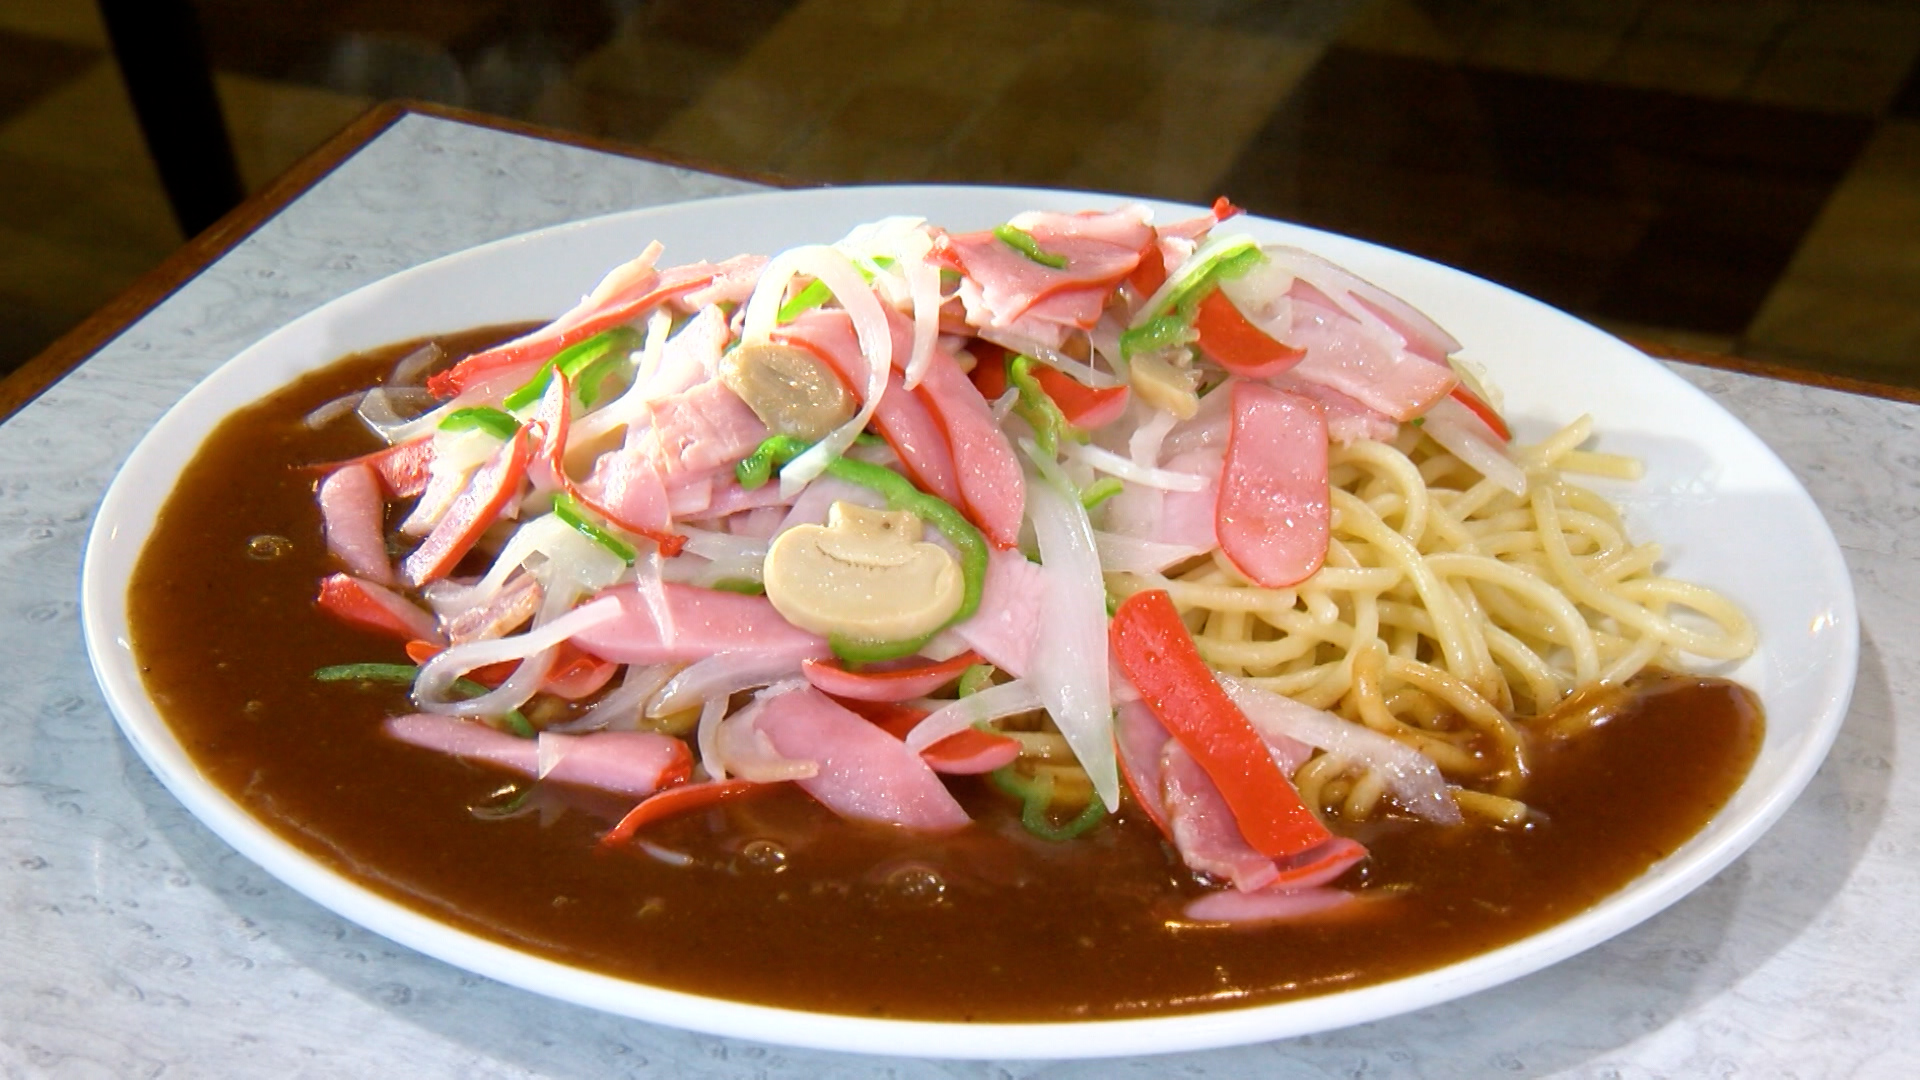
column 135, row 943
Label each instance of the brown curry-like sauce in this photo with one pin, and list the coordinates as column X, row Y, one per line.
column 771, row 899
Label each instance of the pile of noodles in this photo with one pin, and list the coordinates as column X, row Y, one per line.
column 1456, row 616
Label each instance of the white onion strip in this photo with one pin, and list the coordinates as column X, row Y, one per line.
column 619, row 709
column 1126, row 468
column 1069, row 668
column 1006, row 699
column 437, row 676
column 1130, row 555
column 1451, row 425
column 720, row 676
column 1412, row 777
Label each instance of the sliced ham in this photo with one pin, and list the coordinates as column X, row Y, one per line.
column 1208, row 841
column 627, row 483
column 1139, row 740
column 1266, row 908
column 1348, row 420
column 1349, row 347
column 1274, row 512
column 864, row 773
column 703, row 622
column 1100, row 250
column 703, row 429
column 1012, row 599
column 1203, row 826
column 353, row 517
column 732, row 282
column 991, row 481
column 628, row 292
column 634, row 764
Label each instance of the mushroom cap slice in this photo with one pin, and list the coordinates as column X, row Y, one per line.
column 790, row 389
column 866, row 575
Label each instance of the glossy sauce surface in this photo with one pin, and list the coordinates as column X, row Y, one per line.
column 771, row 899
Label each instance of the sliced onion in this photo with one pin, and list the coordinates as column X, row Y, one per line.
column 1453, row 426
column 411, row 369
column 993, row 703
column 333, row 410
column 1412, row 777
column 619, row 709
column 1129, row 555
column 1126, row 468
column 1143, row 446
column 1069, row 669
column 437, row 676
column 721, row 675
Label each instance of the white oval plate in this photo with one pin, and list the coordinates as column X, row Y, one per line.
column 1728, row 512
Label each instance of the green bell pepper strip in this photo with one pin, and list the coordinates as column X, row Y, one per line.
column 1039, row 410
column 975, row 679
column 817, row 293
column 1036, row 796
column 1153, row 335
column 484, row 417
column 576, row 361
column 568, row 510
column 1100, row 491
column 757, row 468
column 1023, row 242
column 860, row 651
column 743, row 586
column 403, row 675
column 1230, row 261
column 1170, row 322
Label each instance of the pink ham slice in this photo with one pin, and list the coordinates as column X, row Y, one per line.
column 864, row 773
column 627, row 292
column 634, row 764
column 705, row 622
column 704, row 429
column 1139, row 739
column 1347, row 419
column 1366, row 360
column 1261, row 908
column 732, row 283
column 1008, row 620
column 1208, row 840
column 1274, row 510
column 353, row 517
column 991, row 480
column 1100, row 249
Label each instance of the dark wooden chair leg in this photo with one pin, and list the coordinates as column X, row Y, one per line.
column 164, row 62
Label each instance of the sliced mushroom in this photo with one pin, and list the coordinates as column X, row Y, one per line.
column 865, row 575
column 791, row 390
column 1165, row 385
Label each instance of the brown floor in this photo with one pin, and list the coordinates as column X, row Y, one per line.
column 1741, row 175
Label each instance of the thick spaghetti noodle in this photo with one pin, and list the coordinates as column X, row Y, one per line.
column 1454, row 614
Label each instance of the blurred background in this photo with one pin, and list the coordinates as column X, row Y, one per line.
column 1730, row 175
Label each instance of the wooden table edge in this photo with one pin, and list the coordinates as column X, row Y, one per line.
column 72, row 348
column 1768, row 369
column 34, row 377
